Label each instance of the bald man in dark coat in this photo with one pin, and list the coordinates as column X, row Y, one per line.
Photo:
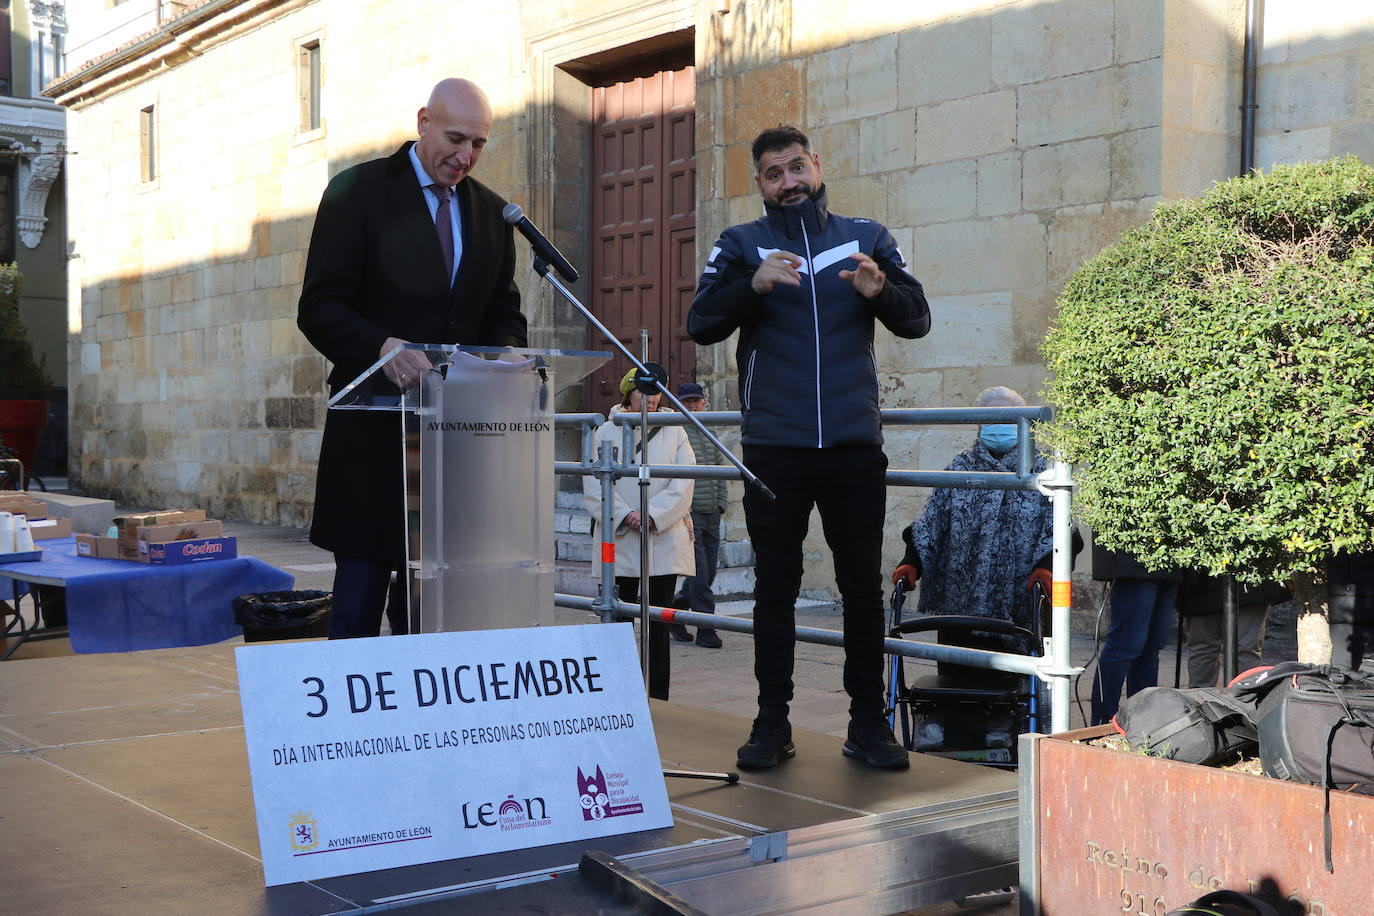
column 409, row 248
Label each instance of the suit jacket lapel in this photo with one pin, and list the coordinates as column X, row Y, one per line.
column 408, row 203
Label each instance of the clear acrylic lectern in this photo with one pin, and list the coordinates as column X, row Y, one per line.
column 478, row 440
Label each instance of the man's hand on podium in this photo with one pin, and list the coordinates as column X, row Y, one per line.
column 409, row 365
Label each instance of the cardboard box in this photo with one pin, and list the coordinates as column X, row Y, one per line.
column 137, row 549
column 185, row 531
column 45, row 529
column 23, row 504
column 128, row 525
column 98, row 547
column 200, row 550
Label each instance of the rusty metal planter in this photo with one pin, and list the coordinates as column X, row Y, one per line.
column 1103, row 831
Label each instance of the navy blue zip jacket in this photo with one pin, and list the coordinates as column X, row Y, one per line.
column 808, row 377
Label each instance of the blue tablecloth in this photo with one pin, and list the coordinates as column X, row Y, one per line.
column 120, row 605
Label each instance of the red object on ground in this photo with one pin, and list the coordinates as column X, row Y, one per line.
column 20, row 424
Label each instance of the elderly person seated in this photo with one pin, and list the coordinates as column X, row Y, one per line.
column 976, row 552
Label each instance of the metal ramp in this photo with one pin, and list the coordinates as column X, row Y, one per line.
column 125, row 790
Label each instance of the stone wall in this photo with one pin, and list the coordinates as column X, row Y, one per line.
column 1002, row 141
column 1316, row 85
column 192, row 384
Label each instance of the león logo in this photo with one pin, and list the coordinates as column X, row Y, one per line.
column 510, row 814
column 304, row 836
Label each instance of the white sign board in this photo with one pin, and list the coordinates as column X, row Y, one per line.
column 375, row 753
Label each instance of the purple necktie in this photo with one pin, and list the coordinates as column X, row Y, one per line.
column 443, row 224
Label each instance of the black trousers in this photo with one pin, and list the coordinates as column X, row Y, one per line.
column 360, row 595
column 1351, row 643
column 847, row 486
column 660, row 595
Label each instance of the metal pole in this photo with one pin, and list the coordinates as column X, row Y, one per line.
column 1230, row 611
column 1060, row 487
column 606, row 480
column 909, row 648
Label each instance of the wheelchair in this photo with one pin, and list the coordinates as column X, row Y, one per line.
column 963, row 713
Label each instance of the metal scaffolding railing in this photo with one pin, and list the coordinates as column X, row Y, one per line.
column 1056, row 482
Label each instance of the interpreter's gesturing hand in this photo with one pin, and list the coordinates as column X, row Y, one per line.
column 778, row 267
column 868, row 278
column 407, row 368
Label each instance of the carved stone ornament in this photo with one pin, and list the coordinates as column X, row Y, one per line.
column 54, row 12
column 42, row 171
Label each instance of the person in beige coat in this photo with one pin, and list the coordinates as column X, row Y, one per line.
column 671, row 553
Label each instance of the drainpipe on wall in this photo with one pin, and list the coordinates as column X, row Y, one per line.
column 1249, row 78
column 1230, row 605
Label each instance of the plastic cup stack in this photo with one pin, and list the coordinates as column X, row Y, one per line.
column 6, row 533
column 23, row 537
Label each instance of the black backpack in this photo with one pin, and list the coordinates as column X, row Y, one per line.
column 1204, row 725
column 1198, row 725
column 1317, row 727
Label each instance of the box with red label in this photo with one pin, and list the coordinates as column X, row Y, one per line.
column 136, row 548
column 199, row 550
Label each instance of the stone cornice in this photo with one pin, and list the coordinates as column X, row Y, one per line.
column 36, row 116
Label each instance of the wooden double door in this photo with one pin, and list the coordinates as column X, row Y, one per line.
column 643, row 223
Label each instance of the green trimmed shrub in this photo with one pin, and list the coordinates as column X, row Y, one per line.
column 22, row 376
column 1214, row 376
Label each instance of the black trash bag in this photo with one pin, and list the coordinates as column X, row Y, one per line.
column 283, row 615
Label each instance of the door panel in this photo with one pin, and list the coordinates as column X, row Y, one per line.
column 644, row 220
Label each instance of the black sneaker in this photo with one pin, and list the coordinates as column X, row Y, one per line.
column 679, row 632
column 871, row 741
column 707, row 638
column 770, row 743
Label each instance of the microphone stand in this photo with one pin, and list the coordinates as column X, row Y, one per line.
column 541, row 267
column 644, row 623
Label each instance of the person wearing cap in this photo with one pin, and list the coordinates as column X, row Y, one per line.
column 670, row 505
column 708, row 503
column 805, row 289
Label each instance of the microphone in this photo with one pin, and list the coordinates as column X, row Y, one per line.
column 543, row 248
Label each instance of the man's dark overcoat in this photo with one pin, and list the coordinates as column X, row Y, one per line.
column 375, row 270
